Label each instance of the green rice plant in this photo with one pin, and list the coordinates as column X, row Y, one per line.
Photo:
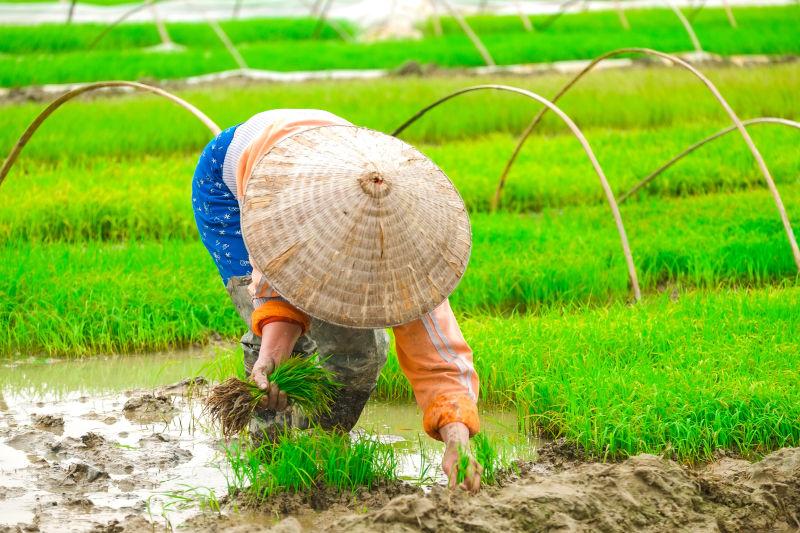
column 224, row 364
column 303, row 461
column 485, row 452
column 363, row 462
column 121, row 297
column 306, row 382
column 92, row 200
column 61, row 38
column 487, row 455
column 762, row 30
column 462, row 464
column 628, row 99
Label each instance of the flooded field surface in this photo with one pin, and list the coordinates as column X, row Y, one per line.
column 119, row 442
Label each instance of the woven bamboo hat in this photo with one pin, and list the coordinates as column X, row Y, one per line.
column 355, row 227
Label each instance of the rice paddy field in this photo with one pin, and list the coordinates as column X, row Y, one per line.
column 57, row 53
column 101, row 261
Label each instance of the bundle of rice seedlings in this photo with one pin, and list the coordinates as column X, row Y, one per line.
column 307, row 384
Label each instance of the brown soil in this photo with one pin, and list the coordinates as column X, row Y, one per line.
column 69, row 477
column 643, row 493
column 149, row 409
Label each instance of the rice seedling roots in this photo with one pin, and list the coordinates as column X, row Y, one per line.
column 307, row 384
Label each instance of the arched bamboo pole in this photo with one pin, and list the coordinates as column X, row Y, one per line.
column 717, row 95
column 623, row 19
column 687, row 26
column 237, row 7
column 226, row 41
column 71, row 11
column 338, row 28
column 315, row 7
column 466, row 28
column 729, row 13
column 323, row 16
column 555, row 16
column 725, row 5
column 437, row 22
column 526, row 21
column 626, row 250
column 653, row 175
column 58, row 102
column 122, row 18
column 163, row 34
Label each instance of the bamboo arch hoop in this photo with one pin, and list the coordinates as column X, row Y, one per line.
column 637, row 294
column 624, row 20
column 762, row 165
column 124, row 16
column 58, row 102
column 164, row 36
column 687, row 26
column 653, row 175
column 470, row 33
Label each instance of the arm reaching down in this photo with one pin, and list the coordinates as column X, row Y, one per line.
column 277, row 340
column 279, row 324
column 437, row 360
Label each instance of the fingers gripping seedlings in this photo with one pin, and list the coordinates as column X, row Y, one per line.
column 307, row 384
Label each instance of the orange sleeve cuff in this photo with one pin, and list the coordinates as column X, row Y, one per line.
column 278, row 311
column 447, row 409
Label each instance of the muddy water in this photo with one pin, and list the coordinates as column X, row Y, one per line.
column 91, row 441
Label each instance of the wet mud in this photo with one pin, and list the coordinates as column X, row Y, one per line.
column 102, row 463
column 114, row 461
column 643, row 493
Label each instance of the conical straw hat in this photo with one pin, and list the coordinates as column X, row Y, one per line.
column 355, row 227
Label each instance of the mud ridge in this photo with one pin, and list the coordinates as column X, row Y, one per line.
column 643, row 493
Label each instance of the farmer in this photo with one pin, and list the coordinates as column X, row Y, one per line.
column 325, row 234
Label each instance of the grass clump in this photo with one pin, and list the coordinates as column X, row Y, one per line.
column 307, row 384
column 302, row 461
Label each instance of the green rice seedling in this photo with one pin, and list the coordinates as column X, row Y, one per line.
column 307, row 384
column 462, row 464
column 224, row 363
column 487, row 456
column 34, row 55
column 548, row 174
column 639, row 100
column 363, row 462
column 425, row 474
column 302, row 461
column 117, row 297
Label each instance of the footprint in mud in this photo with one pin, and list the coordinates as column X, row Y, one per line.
column 53, row 424
column 92, row 440
column 36, row 444
column 81, row 476
column 149, row 409
column 108, row 420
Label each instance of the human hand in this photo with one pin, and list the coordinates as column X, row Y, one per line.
column 277, row 341
column 456, row 439
column 274, row 398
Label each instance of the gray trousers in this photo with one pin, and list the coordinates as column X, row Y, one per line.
column 356, row 356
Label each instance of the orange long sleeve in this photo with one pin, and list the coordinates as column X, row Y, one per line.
column 437, row 361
